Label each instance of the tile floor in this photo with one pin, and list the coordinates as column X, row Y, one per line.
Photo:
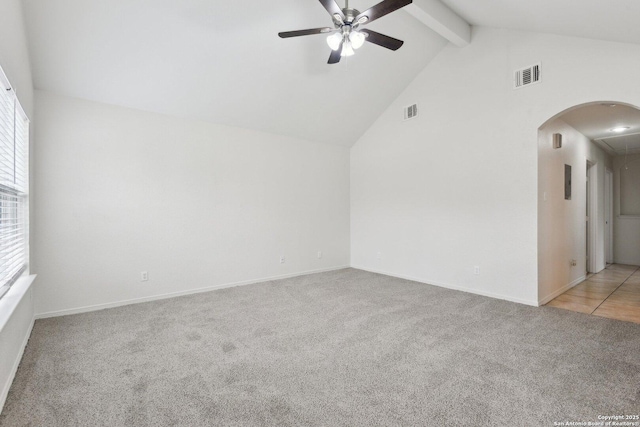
column 612, row 293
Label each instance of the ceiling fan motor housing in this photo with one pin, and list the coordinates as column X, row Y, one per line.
column 349, row 16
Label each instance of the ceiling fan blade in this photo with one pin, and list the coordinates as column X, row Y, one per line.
column 334, row 58
column 382, row 40
column 381, row 9
column 332, row 7
column 287, row 34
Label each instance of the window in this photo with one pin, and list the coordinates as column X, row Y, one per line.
column 14, row 187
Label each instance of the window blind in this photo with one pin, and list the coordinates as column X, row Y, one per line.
column 14, row 187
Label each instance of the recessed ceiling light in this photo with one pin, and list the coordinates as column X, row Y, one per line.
column 620, row 129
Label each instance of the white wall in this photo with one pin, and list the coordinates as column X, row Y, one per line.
column 457, row 187
column 561, row 223
column 14, row 55
column 14, row 60
column 626, row 228
column 197, row 205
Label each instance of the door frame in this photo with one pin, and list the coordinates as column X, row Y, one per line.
column 608, row 215
column 591, row 229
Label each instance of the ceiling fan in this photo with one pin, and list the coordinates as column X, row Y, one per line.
column 346, row 34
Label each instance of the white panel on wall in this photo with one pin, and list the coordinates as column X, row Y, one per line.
column 629, row 175
column 626, row 228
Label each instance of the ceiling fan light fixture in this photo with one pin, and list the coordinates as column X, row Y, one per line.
column 347, row 50
column 346, row 21
column 357, row 39
column 334, row 40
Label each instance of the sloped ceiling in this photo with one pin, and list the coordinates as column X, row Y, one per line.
column 222, row 61
column 613, row 20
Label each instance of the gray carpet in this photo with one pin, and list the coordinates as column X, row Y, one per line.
column 345, row 348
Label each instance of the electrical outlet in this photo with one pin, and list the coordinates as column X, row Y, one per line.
column 573, row 263
column 282, row 259
column 476, row 269
column 319, row 254
column 144, row 276
column 379, row 255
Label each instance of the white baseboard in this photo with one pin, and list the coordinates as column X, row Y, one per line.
column 97, row 307
column 453, row 287
column 562, row 290
column 14, row 369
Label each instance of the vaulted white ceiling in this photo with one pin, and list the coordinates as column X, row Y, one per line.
column 223, row 61
column 614, row 20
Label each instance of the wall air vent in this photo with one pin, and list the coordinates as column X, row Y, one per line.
column 527, row 76
column 411, row 111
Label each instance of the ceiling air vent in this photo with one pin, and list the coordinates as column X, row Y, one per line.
column 527, row 76
column 411, row 111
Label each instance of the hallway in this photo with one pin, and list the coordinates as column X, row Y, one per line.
column 613, row 293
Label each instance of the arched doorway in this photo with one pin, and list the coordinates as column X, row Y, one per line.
column 588, row 210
